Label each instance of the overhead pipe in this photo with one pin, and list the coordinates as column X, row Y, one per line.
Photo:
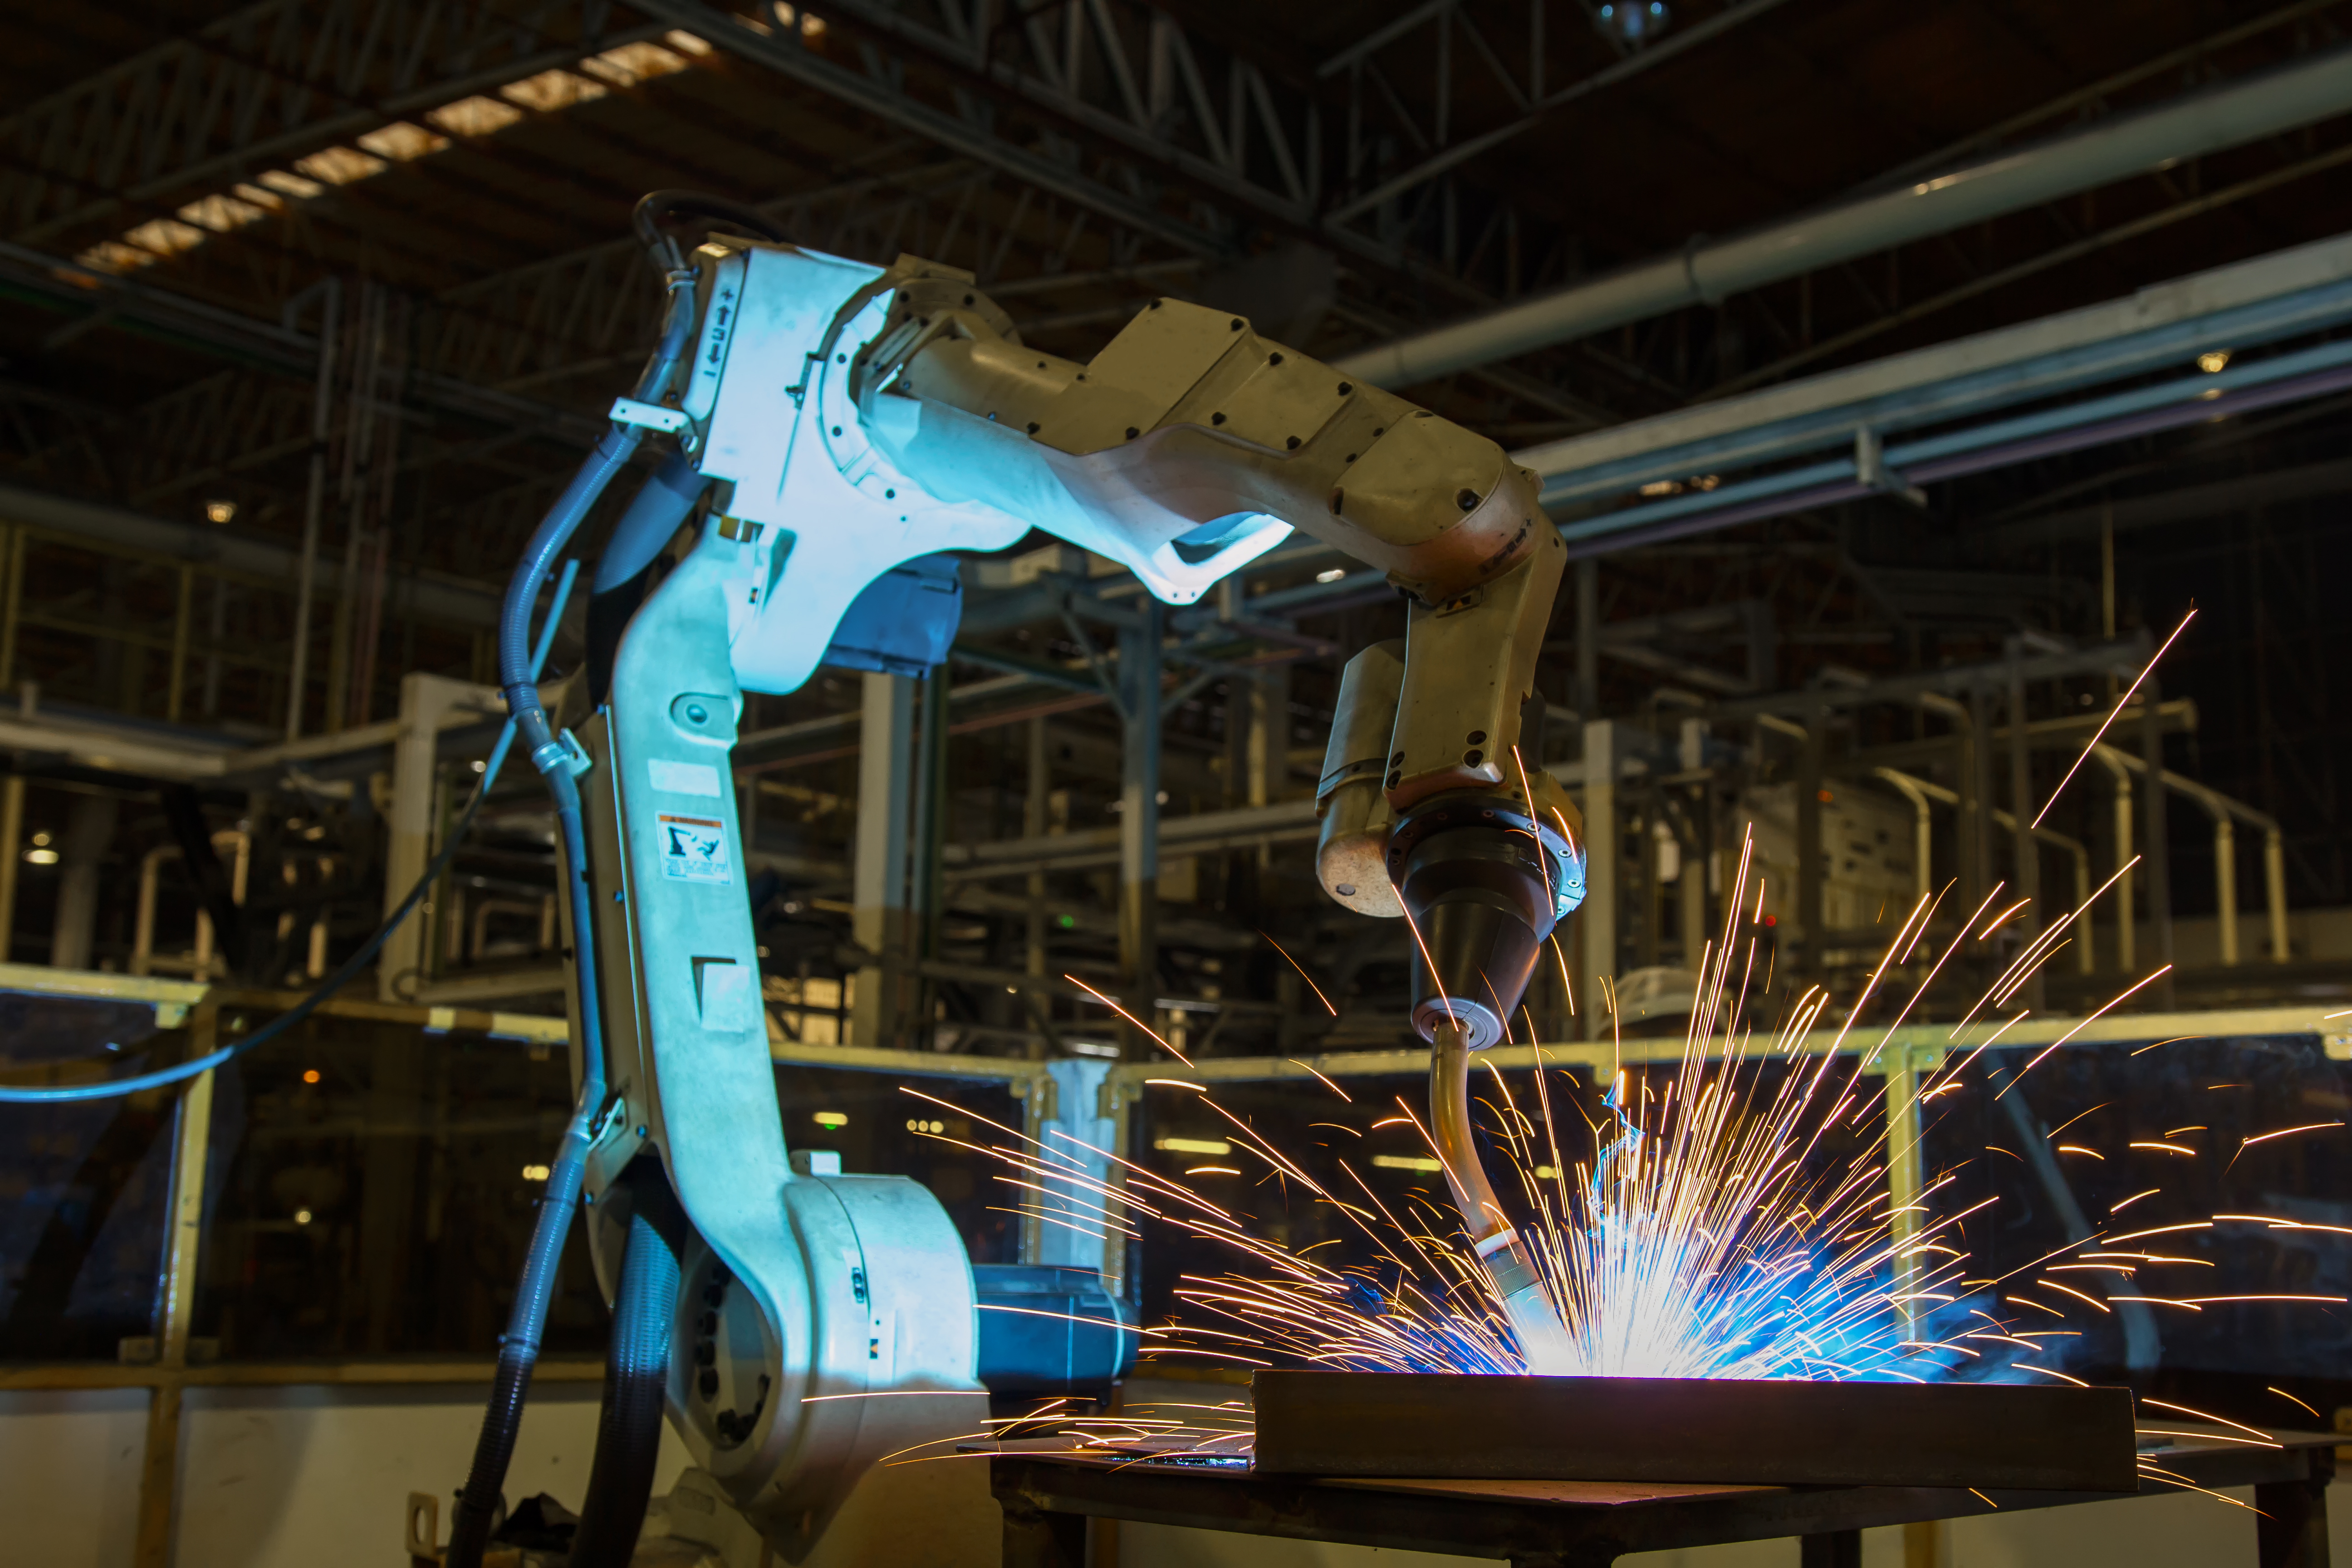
column 2225, row 814
column 2119, row 783
column 1706, row 272
column 1919, row 792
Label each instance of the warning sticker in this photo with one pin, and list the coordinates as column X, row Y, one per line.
column 694, row 849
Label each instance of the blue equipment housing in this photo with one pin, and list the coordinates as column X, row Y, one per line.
column 1057, row 1339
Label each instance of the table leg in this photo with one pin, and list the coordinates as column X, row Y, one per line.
column 1831, row 1549
column 1036, row 1538
column 2290, row 1530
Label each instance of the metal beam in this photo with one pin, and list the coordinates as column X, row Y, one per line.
column 2125, row 656
column 884, row 96
column 268, row 83
column 2301, row 289
column 2247, row 110
column 219, row 549
column 127, row 305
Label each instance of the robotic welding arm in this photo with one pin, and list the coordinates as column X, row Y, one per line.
column 848, row 419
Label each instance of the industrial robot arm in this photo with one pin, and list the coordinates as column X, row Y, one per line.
column 845, row 419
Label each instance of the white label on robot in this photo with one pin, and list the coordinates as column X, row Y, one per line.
column 684, row 778
column 694, row 849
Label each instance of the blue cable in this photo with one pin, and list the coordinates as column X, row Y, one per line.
column 352, row 967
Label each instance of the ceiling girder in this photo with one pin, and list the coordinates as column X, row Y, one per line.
column 270, row 83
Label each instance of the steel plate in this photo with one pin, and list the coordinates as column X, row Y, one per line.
column 1985, row 1436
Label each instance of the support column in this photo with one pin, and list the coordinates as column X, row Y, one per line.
column 2225, row 885
column 425, row 702
column 159, row 1470
column 90, row 828
column 886, row 775
column 1977, row 794
column 1690, row 899
column 1587, row 639
column 1138, row 817
column 2273, row 892
column 1809, row 841
column 12, row 826
column 1267, row 771
column 1073, row 1233
column 1904, row 1066
column 306, row 575
column 2291, row 1516
column 1032, row 827
column 1597, row 920
column 183, row 625
column 2022, row 810
column 2160, row 852
column 2119, row 793
column 396, row 1077
column 11, row 606
column 929, row 846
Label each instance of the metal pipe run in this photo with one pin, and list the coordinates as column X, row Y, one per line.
column 2068, row 427
column 1706, row 272
column 1919, row 792
column 2224, row 814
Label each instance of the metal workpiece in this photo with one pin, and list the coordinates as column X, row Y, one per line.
column 1785, row 1432
column 1048, row 1498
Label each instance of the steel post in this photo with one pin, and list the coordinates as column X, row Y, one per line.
column 2290, row 1516
column 1809, row 841
column 1903, row 1067
column 159, row 1470
column 90, row 828
column 1587, row 639
column 426, row 702
column 1139, row 816
column 314, row 500
column 2119, row 791
column 2273, row 894
column 2160, row 852
column 2225, row 886
column 13, row 606
column 932, row 812
column 183, row 624
column 878, row 870
column 1977, row 790
column 1596, row 922
column 1033, row 826
column 2021, row 804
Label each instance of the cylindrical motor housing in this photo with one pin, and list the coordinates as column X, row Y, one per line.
column 1484, row 881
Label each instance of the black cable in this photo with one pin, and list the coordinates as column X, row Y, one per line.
column 636, row 1374
column 657, row 207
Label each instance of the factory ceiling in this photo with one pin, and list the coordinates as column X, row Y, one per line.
column 180, row 182
column 1363, row 170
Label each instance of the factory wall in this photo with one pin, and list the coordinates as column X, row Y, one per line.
column 272, row 1477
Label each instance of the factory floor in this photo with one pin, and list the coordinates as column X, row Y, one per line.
column 297, row 1478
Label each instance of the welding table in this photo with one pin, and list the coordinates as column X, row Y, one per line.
column 1048, row 1497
